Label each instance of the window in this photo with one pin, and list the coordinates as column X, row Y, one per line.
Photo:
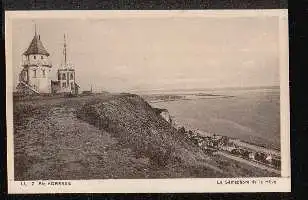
column 64, row 84
column 72, row 77
column 42, row 57
column 63, row 77
column 59, row 76
column 43, row 72
column 34, row 73
column 34, row 57
column 25, row 76
column 72, row 85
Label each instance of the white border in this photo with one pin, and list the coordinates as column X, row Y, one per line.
column 283, row 184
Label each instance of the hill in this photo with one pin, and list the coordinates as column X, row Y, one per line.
column 107, row 136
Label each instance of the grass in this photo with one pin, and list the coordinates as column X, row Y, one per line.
column 105, row 136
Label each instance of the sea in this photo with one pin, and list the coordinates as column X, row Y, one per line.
column 251, row 115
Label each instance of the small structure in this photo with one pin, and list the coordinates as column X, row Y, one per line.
column 228, row 148
column 252, row 155
column 88, row 92
column 269, row 158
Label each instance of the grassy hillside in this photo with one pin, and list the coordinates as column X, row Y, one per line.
column 107, row 136
column 136, row 125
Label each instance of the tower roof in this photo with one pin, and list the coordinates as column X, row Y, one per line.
column 36, row 47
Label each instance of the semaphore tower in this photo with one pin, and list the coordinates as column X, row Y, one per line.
column 66, row 82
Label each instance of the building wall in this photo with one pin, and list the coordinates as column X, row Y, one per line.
column 23, row 75
column 36, row 72
column 66, row 77
column 36, row 76
column 36, row 59
column 39, row 78
column 55, row 86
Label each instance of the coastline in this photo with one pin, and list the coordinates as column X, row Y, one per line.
column 237, row 141
column 262, row 141
column 234, row 148
column 178, row 97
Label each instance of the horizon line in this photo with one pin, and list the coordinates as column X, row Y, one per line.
column 212, row 88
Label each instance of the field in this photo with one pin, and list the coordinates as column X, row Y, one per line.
column 68, row 138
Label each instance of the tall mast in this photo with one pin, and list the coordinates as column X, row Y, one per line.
column 35, row 29
column 65, row 61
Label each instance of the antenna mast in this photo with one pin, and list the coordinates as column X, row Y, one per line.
column 65, row 61
column 35, row 29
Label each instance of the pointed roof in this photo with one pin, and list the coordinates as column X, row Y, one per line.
column 36, row 47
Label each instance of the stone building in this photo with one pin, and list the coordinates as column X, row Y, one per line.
column 66, row 82
column 34, row 76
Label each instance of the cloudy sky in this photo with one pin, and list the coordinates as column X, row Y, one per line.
column 124, row 54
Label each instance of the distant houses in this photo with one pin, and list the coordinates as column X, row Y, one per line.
column 214, row 143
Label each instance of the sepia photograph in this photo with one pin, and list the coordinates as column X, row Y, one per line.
column 147, row 96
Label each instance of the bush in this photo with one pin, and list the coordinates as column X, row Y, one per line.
column 182, row 130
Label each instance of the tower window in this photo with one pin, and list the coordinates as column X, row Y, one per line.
column 34, row 73
column 34, row 57
column 43, row 72
column 25, row 76
column 63, row 77
column 72, row 77
column 64, row 84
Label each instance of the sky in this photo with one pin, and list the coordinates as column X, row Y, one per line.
column 142, row 54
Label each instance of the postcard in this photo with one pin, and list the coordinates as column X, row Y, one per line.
column 147, row 101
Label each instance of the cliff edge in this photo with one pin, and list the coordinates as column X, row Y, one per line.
column 140, row 127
